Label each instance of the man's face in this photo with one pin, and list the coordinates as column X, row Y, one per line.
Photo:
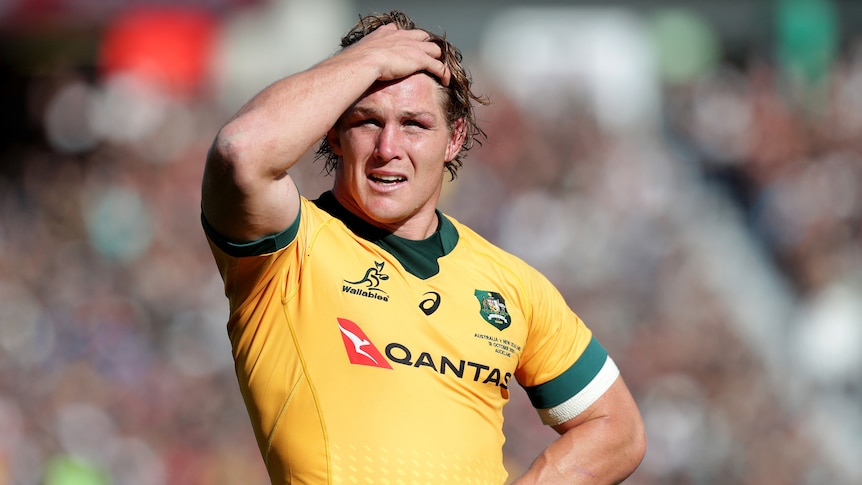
column 393, row 145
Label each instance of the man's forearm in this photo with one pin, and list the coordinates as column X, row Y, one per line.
column 602, row 446
column 577, row 458
column 280, row 124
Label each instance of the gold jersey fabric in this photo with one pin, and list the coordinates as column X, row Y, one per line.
column 366, row 358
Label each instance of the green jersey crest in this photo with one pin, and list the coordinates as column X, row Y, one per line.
column 493, row 309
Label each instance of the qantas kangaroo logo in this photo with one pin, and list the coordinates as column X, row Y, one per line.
column 359, row 348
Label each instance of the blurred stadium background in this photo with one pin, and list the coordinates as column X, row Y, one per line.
column 688, row 172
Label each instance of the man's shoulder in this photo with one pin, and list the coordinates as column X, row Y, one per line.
column 469, row 236
column 480, row 246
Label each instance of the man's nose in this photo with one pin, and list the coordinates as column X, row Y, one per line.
column 387, row 143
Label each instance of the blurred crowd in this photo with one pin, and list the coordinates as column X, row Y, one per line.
column 717, row 254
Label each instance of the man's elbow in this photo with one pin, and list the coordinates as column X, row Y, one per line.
column 232, row 164
column 228, row 148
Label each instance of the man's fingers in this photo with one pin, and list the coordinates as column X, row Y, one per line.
column 443, row 73
column 403, row 45
column 438, row 68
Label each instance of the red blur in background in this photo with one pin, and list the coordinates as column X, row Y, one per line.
column 169, row 47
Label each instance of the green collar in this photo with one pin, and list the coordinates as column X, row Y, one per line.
column 418, row 257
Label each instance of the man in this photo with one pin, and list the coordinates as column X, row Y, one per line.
column 375, row 338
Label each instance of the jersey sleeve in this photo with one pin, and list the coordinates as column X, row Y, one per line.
column 266, row 245
column 563, row 368
column 258, row 277
column 256, row 270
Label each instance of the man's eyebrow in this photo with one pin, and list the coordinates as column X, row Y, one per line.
column 362, row 111
column 406, row 114
column 418, row 114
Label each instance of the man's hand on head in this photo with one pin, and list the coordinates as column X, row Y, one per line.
column 401, row 53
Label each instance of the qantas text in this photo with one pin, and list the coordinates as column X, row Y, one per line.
column 461, row 369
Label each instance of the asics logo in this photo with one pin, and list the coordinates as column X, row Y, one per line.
column 429, row 305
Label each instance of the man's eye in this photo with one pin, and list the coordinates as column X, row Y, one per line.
column 366, row 122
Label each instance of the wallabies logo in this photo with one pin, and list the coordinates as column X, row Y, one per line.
column 369, row 285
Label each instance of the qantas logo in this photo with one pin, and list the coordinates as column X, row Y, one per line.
column 360, row 350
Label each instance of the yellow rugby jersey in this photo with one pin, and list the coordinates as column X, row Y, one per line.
column 367, row 358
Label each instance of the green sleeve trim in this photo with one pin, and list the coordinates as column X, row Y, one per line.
column 572, row 381
column 266, row 245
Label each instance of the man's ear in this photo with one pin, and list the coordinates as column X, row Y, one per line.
column 456, row 139
column 334, row 142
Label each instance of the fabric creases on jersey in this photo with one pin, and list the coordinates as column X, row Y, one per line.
column 361, row 355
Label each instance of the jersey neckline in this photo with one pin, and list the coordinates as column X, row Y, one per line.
column 419, row 258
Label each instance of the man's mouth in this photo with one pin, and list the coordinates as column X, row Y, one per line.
column 387, row 179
